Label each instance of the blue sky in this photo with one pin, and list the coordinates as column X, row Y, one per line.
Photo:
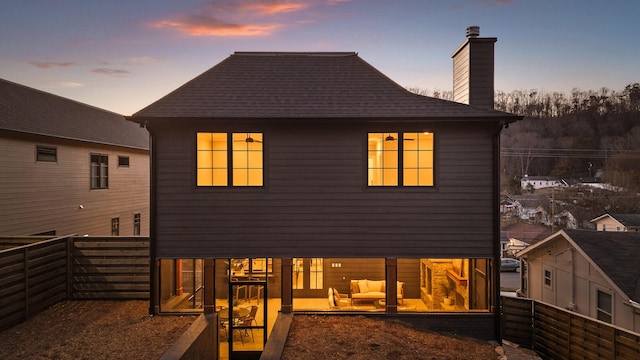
column 123, row 55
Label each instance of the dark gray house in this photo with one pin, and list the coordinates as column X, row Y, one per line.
column 290, row 181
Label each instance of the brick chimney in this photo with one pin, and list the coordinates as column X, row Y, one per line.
column 473, row 70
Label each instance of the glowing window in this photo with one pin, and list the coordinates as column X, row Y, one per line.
column 214, row 157
column 386, row 152
column 417, row 159
column 247, row 159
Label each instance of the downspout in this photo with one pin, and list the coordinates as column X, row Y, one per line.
column 496, row 311
column 153, row 270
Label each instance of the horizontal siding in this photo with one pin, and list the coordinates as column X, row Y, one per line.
column 315, row 194
column 38, row 197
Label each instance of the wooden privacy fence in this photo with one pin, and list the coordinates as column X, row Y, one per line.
column 556, row 333
column 36, row 275
column 110, row 268
column 32, row 278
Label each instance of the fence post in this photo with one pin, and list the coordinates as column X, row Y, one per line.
column 70, row 248
column 26, row 283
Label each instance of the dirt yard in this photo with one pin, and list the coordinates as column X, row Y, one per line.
column 93, row 330
column 124, row 330
column 362, row 338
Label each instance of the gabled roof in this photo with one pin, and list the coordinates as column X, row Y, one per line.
column 614, row 253
column 261, row 85
column 527, row 233
column 27, row 110
column 628, row 220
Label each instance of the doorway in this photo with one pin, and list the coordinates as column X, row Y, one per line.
column 308, row 277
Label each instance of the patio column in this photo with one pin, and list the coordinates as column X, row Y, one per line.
column 392, row 285
column 209, row 286
column 287, row 286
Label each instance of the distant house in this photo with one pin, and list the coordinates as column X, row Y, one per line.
column 522, row 235
column 509, row 208
column 540, row 182
column 593, row 273
column 69, row 168
column 285, row 175
column 617, row 222
column 530, row 208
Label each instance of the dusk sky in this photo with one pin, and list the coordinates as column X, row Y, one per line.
column 123, row 55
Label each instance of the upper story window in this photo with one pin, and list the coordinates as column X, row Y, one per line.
column 123, row 161
column 99, row 171
column 548, row 278
column 46, row 153
column 604, row 306
column 217, row 166
column 400, row 159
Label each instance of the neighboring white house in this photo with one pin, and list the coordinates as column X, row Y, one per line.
column 540, row 182
column 70, row 168
column 617, row 222
column 592, row 273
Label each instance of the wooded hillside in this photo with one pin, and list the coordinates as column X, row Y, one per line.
column 584, row 134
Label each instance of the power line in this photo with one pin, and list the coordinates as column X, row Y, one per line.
column 570, row 153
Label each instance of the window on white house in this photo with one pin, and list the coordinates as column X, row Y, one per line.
column 548, row 278
column 123, row 161
column 115, row 227
column 136, row 224
column 604, row 306
column 99, row 171
column 46, row 153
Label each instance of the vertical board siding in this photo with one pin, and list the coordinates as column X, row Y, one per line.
column 38, row 197
column 315, row 201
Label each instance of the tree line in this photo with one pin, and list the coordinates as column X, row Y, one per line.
column 584, row 134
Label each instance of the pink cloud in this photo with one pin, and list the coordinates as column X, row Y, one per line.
column 276, row 7
column 199, row 25
column 50, row 64
column 237, row 18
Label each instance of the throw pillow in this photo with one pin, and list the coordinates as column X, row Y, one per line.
column 354, row 287
column 377, row 285
column 363, row 285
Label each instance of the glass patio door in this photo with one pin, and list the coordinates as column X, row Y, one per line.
column 308, row 277
column 245, row 319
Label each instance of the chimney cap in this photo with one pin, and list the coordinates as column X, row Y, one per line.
column 473, row 31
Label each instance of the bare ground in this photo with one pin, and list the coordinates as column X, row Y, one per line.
column 124, row 330
column 346, row 337
column 93, row 330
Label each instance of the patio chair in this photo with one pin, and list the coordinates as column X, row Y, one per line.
column 245, row 323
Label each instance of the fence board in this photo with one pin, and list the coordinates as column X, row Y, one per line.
column 517, row 321
column 111, row 267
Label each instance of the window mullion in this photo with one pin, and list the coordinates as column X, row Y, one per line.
column 230, row 154
column 400, row 159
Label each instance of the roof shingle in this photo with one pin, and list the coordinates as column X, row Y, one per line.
column 616, row 253
column 27, row 110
